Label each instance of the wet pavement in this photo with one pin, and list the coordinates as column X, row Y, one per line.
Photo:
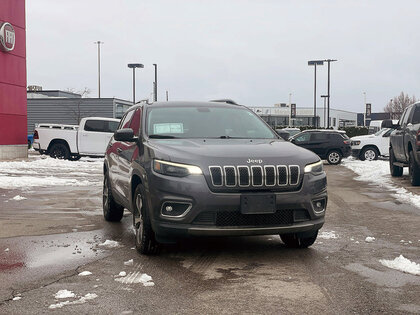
column 57, row 232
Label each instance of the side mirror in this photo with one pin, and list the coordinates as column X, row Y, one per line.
column 292, row 140
column 126, row 135
column 387, row 123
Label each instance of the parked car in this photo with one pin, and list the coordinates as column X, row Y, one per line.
column 404, row 148
column 370, row 147
column 330, row 145
column 210, row 169
column 283, row 134
column 292, row 131
column 90, row 138
column 30, row 140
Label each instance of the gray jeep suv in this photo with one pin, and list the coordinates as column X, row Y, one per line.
column 210, row 169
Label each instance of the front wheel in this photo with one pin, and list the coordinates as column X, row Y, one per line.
column 396, row 171
column 414, row 170
column 334, row 157
column 369, row 154
column 295, row 241
column 59, row 151
column 113, row 212
column 146, row 243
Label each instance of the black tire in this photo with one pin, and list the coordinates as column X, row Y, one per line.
column 113, row 212
column 369, row 153
column 396, row 171
column 334, row 157
column 146, row 243
column 29, row 144
column 59, row 151
column 295, row 241
column 413, row 170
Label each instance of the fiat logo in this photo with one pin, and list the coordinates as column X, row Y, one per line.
column 7, row 37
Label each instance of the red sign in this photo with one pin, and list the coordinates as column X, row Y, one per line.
column 7, row 37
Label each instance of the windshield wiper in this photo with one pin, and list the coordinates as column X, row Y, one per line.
column 162, row 137
column 229, row 137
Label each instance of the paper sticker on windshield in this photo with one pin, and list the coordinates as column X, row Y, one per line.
column 168, row 128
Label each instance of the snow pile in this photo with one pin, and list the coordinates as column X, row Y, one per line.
column 16, row 298
column 46, row 171
column 136, row 277
column 129, row 262
column 6, row 250
column 83, row 299
column 85, row 273
column 377, row 172
column 370, row 239
column 328, row 235
column 18, row 198
column 64, row 294
column 110, row 244
column 402, row 264
column 122, row 274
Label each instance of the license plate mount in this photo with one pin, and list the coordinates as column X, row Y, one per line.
column 258, row 204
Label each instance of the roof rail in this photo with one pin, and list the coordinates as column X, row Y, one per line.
column 228, row 101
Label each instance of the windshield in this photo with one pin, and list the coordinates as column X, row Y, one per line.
column 380, row 132
column 206, row 122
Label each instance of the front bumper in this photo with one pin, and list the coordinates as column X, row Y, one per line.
column 295, row 210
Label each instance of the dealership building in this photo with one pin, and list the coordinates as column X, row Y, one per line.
column 13, row 132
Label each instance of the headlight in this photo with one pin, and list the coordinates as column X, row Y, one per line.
column 175, row 169
column 316, row 168
column 357, row 142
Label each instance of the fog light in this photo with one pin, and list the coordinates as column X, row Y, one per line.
column 175, row 209
column 319, row 205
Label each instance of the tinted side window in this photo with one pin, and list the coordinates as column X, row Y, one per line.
column 125, row 121
column 319, row 136
column 416, row 116
column 95, row 125
column 303, row 138
column 404, row 118
column 136, row 122
column 112, row 126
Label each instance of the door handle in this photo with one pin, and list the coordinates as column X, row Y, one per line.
column 119, row 150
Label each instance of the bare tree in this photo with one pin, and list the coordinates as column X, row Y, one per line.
column 76, row 111
column 397, row 105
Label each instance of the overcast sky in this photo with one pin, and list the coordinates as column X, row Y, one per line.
column 254, row 52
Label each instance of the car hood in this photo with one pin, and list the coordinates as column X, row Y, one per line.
column 231, row 152
column 363, row 137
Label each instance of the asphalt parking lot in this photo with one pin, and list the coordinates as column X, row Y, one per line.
column 54, row 231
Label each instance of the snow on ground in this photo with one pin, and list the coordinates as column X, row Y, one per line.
column 122, row 274
column 328, row 235
column 17, row 298
column 402, row 264
column 370, row 239
column 46, row 171
column 64, row 294
column 18, row 198
column 377, row 172
column 110, row 244
column 83, row 299
column 85, row 273
column 129, row 262
column 136, row 277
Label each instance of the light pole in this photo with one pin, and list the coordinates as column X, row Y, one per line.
column 328, row 94
column 290, row 109
column 155, row 84
column 364, row 115
column 99, row 66
column 315, row 63
column 134, row 66
column 325, row 99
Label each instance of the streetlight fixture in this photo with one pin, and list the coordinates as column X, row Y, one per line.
column 99, row 66
column 315, row 63
column 325, row 99
column 134, row 66
column 328, row 94
column 155, row 84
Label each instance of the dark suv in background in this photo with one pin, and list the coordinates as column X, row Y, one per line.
column 210, row 169
column 330, row 145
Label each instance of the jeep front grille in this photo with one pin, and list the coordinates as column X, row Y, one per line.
column 255, row 175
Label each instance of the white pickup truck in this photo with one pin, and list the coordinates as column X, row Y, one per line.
column 71, row 142
column 370, row 147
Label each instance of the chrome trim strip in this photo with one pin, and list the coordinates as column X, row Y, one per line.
column 176, row 216
column 239, row 175
column 224, row 173
column 278, row 175
column 262, row 175
column 211, row 175
column 265, row 175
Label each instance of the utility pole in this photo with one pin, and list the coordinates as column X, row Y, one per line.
column 155, row 84
column 99, row 66
column 167, row 96
column 328, row 93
